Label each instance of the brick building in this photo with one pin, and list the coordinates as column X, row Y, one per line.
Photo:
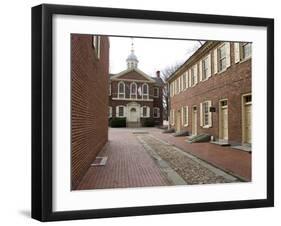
column 89, row 74
column 135, row 95
column 211, row 93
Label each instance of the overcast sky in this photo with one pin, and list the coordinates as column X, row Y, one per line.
column 153, row 54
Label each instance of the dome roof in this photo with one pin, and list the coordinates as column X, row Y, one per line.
column 132, row 57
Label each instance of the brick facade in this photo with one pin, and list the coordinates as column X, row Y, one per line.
column 229, row 84
column 136, row 76
column 89, row 73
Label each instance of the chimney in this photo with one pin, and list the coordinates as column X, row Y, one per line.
column 158, row 74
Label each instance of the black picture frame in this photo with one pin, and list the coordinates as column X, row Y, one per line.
column 42, row 111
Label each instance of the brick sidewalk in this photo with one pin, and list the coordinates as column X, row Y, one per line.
column 128, row 165
column 231, row 160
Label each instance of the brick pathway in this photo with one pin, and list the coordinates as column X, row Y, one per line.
column 229, row 159
column 128, row 165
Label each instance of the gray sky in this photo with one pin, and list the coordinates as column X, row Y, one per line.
column 153, row 54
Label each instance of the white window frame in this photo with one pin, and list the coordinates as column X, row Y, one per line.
column 205, row 62
column 204, row 114
column 156, row 88
column 220, row 58
column 185, row 116
column 157, row 112
column 147, row 112
column 172, row 117
column 118, row 111
column 123, row 93
column 131, row 93
column 143, row 94
column 242, row 55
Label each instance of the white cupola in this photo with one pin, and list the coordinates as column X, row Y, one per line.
column 132, row 60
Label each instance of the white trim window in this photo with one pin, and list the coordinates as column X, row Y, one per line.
column 133, row 90
column 193, row 75
column 145, row 112
column 96, row 45
column 205, row 114
column 145, row 91
column 121, row 111
column 184, row 81
column 222, row 58
column 121, row 90
column 246, row 50
column 206, row 68
column 171, row 89
column 109, row 112
column 184, row 111
column 156, row 112
column 156, row 92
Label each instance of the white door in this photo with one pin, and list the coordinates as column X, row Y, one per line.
column 133, row 115
column 224, row 120
column 194, row 121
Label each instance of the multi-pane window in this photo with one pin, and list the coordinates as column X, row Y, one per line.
column 96, row 45
column 184, row 81
column 248, row 99
column 222, row 57
column 205, row 68
column 121, row 90
column 156, row 92
column 156, row 112
column 133, row 90
column 192, row 76
column 185, row 115
column 205, row 112
column 120, row 111
column 246, row 50
column 145, row 111
column 145, row 91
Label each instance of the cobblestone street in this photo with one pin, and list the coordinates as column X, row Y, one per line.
column 139, row 158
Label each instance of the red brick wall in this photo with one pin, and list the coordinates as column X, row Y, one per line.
column 157, row 102
column 231, row 84
column 89, row 101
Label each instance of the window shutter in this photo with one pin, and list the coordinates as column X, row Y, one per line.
column 209, row 72
column 182, row 115
column 215, row 61
column 148, row 111
column 125, row 111
column 210, row 114
column 196, row 74
column 141, row 113
column 227, row 51
column 189, row 78
column 201, row 115
column 186, row 119
column 186, row 79
column 237, row 52
column 117, row 111
column 200, row 70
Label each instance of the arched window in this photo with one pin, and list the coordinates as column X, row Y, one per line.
column 133, row 90
column 121, row 90
column 145, row 91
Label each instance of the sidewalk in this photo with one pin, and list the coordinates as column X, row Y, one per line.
column 128, row 165
column 234, row 161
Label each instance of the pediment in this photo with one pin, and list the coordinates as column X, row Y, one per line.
column 132, row 74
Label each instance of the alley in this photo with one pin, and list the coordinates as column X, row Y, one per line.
column 140, row 158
